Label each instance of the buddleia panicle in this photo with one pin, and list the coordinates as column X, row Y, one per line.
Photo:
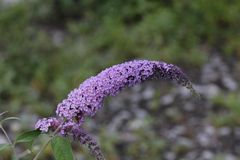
column 88, row 98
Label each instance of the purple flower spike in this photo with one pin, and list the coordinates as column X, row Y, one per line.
column 88, row 97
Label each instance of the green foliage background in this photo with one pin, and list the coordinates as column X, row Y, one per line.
column 49, row 47
column 98, row 34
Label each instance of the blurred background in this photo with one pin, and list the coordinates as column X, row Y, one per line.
column 49, row 47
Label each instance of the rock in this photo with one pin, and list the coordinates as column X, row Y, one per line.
column 224, row 131
column 213, row 70
column 136, row 124
column 207, row 155
column 57, row 37
column 217, row 71
column 185, row 142
column 188, row 106
column 203, row 139
column 237, row 131
column 210, row 130
column 183, row 92
column 170, row 156
column 206, row 138
column 208, row 91
column 148, row 93
column 117, row 121
column 229, row 83
column 167, row 99
column 230, row 157
column 191, row 155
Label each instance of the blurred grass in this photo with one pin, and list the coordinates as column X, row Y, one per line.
column 230, row 116
column 48, row 48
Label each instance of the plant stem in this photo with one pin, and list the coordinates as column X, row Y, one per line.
column 25, row 153
column 6, row 135
column 46, row 143
column 3, row 113
column 9, row 141
column 43, row 147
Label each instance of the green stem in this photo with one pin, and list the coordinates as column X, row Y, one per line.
column 6, row 135
column 43, row 147
column 46, row 143
column 9, row 141
column 25, row 153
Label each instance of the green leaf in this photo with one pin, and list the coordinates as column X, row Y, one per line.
column 28, row 136
column 4, row 146
column 62, row 149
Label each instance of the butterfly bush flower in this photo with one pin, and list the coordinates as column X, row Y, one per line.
column 88, row 98
column 45, row 123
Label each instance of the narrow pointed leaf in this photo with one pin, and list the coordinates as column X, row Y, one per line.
column 62, row 149
column 27, row 136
